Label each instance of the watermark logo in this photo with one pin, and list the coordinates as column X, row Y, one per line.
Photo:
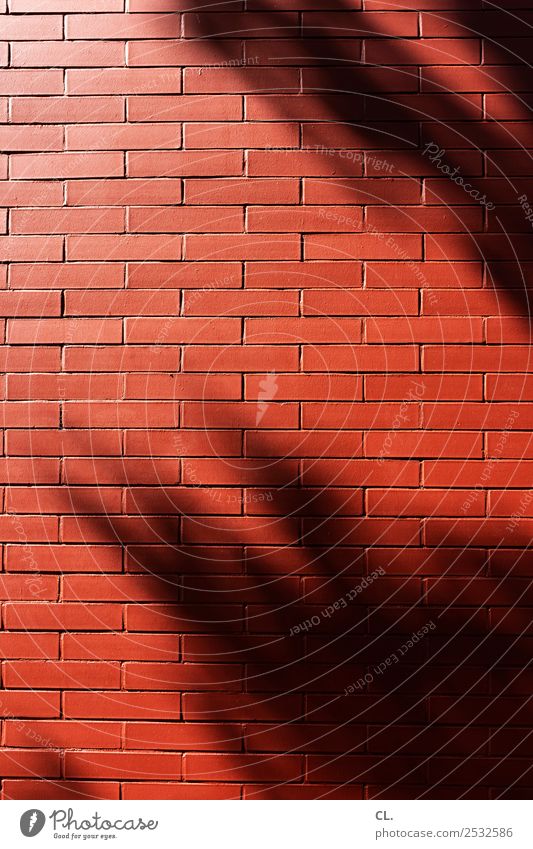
column 32, row 822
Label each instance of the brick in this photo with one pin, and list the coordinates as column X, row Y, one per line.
column 261, row 331
column 302, row 275
column 105, row 735
column 123, row 765
column 66, row 6
column 250, row 25
column 363, row 358
column 443, row 330
column 363, row 190
column 87, row 220
column 241, row 191
column 257, row 346
column 66, row 276
column 181, row 52
column 354, row 302
column 70, row 331
column 80, row 646
column 241, row 767
column 366, row 246
column 26, row 788
column 434, row 444
column 246, row 246
column 307, row 387
column 129, row 192
column 438, row 275
column 307, row 219
column 63, row 616
column 58, row 558
column 362, row 24
column 190, row 736
column 22, row 27
column 269, row 107
column 184, row 275
column 290, row 163
column 31, row 248
column 21, row 762
column 233, row 303
column 37, row 194
column 129, row 302
column 204, row 219
column 183, row 330
column 243, row 80
column 31, row 54
column 184, row 163
column 122, row 26
column 212, row 107
column 114, row 704
column 66, row 165
column 60, row 673
column 123, row 137
column 239, row 135
column 67, row 110
column 121, row 80
column 134, row 247
column 31, row 138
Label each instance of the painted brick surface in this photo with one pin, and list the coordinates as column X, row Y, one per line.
column 266, row 399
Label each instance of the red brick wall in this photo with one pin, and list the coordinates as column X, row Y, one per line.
column 267, row 398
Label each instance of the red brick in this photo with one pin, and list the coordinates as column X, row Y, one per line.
column 66, row 165
column 122, row 137
column 212, row 107
column 69, row 331
column 66, row 276
column 122, row 80
column 31, row 248
column 270, row 219
column 302, row 275
column 15, row 81
column 202, row 219
column 95, row 220
column 122, row 705
column 185, row 275
column 258, row 350
column 74, row 558
column 122, row 26
column 241, row 80
column 366, row 246
column 184, row 163
column 69, row 675
column 24, row 193
column 22, row 27
column 250, row 25
column 128, row 192
column 31, row 138
column 260, row 331
column 180, row 52
column 41, row 789
column 246, row 246
column 122, row 765
column 422, row 51
column 31, row 54
column 363, row 24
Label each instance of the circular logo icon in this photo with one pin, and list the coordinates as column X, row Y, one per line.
column 32, row 822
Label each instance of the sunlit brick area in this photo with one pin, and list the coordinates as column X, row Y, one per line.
column 267, row 465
